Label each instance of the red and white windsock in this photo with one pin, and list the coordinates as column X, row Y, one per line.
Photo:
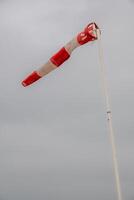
column 87, row 35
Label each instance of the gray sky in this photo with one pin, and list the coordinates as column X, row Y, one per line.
column 54, row 143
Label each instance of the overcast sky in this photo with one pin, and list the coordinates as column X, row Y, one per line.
column 54, row 143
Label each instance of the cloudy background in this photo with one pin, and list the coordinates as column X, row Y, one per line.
column 54, row 143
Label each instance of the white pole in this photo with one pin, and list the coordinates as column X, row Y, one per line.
column 109, row 119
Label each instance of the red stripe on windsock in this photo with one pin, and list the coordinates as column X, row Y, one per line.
column 83, row 38
column 88, row 34
column 61, row 56
column 31, row 79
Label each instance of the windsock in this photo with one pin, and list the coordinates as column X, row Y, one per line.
column 87, row 35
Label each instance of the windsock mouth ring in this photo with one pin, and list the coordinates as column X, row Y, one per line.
column 92, row 27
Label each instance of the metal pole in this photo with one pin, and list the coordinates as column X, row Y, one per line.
column 109, row 118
